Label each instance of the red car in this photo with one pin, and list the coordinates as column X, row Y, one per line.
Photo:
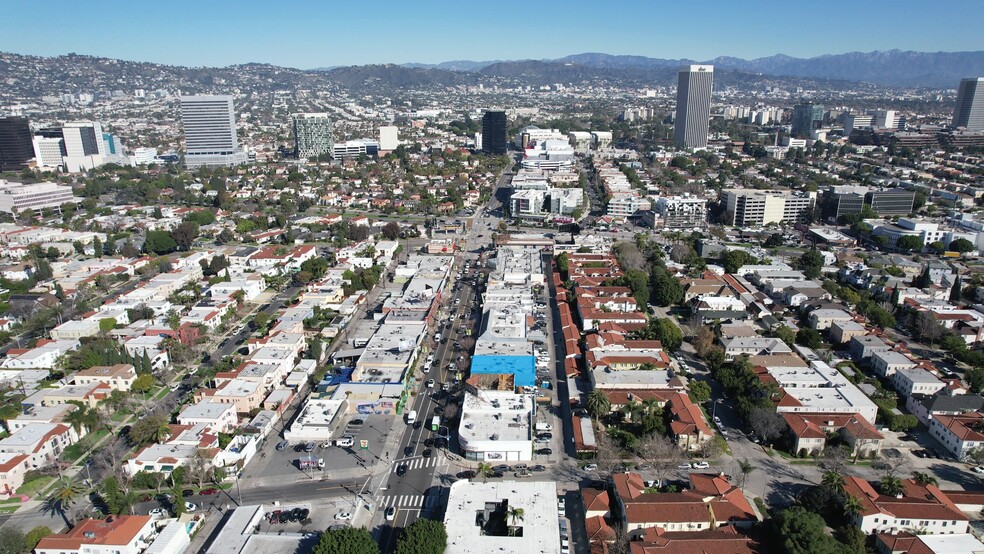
column 210, row 491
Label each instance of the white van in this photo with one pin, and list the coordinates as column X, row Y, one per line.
column 411, row 417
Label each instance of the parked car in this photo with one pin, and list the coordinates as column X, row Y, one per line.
column 343, row 516
column 538, row 468
column 187, row 492
column 590, row 467
column 701, row 465
column 357, row 421
column 521, row 474
column 544, row 452
column 282, row 445
column 210, row 491
column 190, row 507
column 684, row 466
column 500, row 467
column 467, row 474
column 979, row 469
column 345, row 441
column 157, row 512
column 545, row 436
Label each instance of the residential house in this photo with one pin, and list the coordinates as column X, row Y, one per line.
column 218, row 417
column 690, row 429
column 863, row 347
column 120, row 534
column 925, row 406
column 753, row 346
column 13, row 467
column 916, row 381
column 43, row 443
column 117, row 377
column 959, row 434
column 823, row 319
column 710, row 502
column 843, row 331
column 920, row 508
column 723, row 540
column 887, row 362
column 810, row 432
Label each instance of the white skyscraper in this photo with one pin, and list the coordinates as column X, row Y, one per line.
column 389, row 138
column 693, row 111
column 210, row 132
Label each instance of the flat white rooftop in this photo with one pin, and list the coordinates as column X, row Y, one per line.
column 504, row 415
column 471, row 502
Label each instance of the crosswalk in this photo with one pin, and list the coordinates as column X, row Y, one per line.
column 416, row 463
column 408, row 501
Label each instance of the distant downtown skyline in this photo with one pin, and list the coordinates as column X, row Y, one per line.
column 308, row 34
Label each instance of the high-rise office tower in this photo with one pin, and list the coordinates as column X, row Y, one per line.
column 312, row 135
column 16, row 147
column 210, row 132
column 389, row 138
column 494, row 130
column 969, row 112
column 84, row 145
column 693, row 111
column 806, row 117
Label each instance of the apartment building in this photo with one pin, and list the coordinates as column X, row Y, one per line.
column 17, row 197
column 681, row 212
column 755, row 208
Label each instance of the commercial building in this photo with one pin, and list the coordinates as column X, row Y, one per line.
column 854, row 121
column 806, row 118
column 389, row 138
column 693, row 110
column 17, row 197
column 312, row 135
column 349, row 150
column 884, row 119
column 120, row 534
column 16, row 148
column 494, row 129
column 754, row 208
column 48, row 151
column 681, row 212
column 209, row 124
column 497, row 426
column 844, row 200
column 969, row 111
column 478, row 519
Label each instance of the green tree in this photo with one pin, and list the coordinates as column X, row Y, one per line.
column 391, row 230
column 12, row 541
column 937, row 247
column 668, row 333
column 143, row 383
column 423, row 536
column 810, row 338
column 350, row 540
column 667, row 290
column 34, row 536
column 924, row 478
column 515, row 515
column 891, row 486
column 956, row 290
column 909, row 243
column 107, row 324
column 62, row 500
column 802, row 532
column 485, row 469
column 700, row 391
column 961, row 245
column 811, row 263
column 734, row 259
column 159, row 242
column 97, row 247
column 116, row 500
column 785, row 334
column 184, row 234
column 745, row 467
column 598, row 404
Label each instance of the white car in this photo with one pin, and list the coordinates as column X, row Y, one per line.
column 390, row 513
column 321, row 463
column 561, row 505
column 590, row 467
column 157, row 512
column 978, row 469
column 343, row 516
column 701, row 465
column 684, row 466
column 430, row 383
column 190, row 507
column 345, row 441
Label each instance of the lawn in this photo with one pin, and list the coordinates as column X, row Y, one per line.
column 32, row 487
column 75, row 451
column 8, row 509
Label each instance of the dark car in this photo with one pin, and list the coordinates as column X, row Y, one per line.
column 544, row 451
column 467, row 474
column 545, row 436
column 209, row 491
column 299, row 448
column 438, row 410
column 538, row 468
column 408, row 451
column 304, row 513
column 428, row 442
column 427, row 453
column 285, row 516
column 417, row 424
column 187, row 492
column 401, row 470
column 357, row 422
column 501, row 467
column 441, row 442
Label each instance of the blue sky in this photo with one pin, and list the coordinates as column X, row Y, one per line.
column 307, row 33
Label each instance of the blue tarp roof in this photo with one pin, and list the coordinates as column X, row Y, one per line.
column 523, row 367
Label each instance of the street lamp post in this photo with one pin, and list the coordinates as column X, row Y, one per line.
column 714, row 407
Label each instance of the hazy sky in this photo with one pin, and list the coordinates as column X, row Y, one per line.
column 308, row 33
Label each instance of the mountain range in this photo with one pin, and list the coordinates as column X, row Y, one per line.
column 895, row 68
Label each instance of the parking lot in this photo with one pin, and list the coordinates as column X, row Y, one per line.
column 270, row 463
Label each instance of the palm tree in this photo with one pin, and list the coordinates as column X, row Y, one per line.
column 162, row 431
column 745, row 467
column 832, row 480
column 62, row 500
column 852, row 506
column 76, row 418
column 485, row 469
column 891, row 486
column 924, row 478
column 515, row 514
column 598, row 404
